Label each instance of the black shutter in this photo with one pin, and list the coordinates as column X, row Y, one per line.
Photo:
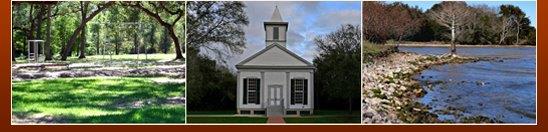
column 292, row 91
column 305, row 94
column 258, row 93
column 245, row 91
column 276, row 33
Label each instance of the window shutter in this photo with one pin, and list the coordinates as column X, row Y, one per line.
column 292, row 92
column 245, row 91
column 305, row 95
column 276, row 33
column 258, row 93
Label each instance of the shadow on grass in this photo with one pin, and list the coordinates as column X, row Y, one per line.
column 98, row 100
column 142, row 115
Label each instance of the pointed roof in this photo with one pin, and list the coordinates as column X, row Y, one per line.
column 302, row 63
column 276, row 16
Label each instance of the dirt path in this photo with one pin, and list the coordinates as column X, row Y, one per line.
column 276, row 120
column 156, row 71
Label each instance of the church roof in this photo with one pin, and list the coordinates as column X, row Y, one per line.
column 287, row 60
column 276, row 16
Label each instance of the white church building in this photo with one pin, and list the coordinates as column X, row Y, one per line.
column 275, row 81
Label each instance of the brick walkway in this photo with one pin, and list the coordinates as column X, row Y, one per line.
column 276, row 119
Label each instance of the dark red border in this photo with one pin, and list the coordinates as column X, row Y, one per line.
column 5, row 90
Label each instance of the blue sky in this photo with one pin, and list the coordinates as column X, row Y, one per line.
column 529, row 7
column 307, row 20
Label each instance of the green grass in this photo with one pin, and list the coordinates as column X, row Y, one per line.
column 336, row 112
column 316, row 119
column 320, row 116
column 227, row 119
column 98, row 100
column 327, row 116
column 371, row 50
column 219, row 112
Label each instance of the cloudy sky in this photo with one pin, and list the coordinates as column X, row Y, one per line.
column 306, row 21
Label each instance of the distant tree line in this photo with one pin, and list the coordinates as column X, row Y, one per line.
column 448, row 21
column 80, row 28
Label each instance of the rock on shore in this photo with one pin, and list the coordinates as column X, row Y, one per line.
column 389, row 92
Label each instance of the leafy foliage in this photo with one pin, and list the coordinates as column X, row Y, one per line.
column 337, row 77
column 105, row 33
column 217, row 28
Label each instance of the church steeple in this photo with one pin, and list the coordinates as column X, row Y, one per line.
column 276, row 16
column 275, row 29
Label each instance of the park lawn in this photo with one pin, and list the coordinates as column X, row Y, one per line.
column 98, row 100
column 227, row 119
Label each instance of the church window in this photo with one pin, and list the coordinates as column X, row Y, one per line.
column 252, row 88
column 299, row 91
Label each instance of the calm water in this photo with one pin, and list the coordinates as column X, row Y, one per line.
column 503, row 89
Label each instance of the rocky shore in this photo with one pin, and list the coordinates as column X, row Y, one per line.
column 390, row 95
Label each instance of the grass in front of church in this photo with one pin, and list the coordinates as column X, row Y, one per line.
column 228, row 116
column 327, row 116
column 210, row 120
column 321, row 119
column 97, row 100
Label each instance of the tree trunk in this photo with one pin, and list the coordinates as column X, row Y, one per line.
column 97, row 41
column 453, row 45
column 166, row 25
column 164, row 42
column 84, row 9
column 68, row 48
column 30, row 33
column 47, row 44
column 350, row 105
column 178, row 52
column 136, row 47
column 517, row 34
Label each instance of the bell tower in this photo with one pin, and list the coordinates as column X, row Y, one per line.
column 276, row 29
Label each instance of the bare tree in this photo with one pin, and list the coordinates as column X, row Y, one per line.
column 403, row 23
column 217, row 28
column 374, row 21
column 451, row 14
column 505, row 27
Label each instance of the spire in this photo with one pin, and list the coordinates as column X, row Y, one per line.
column 276, row 17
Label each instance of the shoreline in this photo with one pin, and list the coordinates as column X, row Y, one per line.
column 391, row 95
column 462, row 46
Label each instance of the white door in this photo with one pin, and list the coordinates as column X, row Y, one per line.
column 275, row 95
